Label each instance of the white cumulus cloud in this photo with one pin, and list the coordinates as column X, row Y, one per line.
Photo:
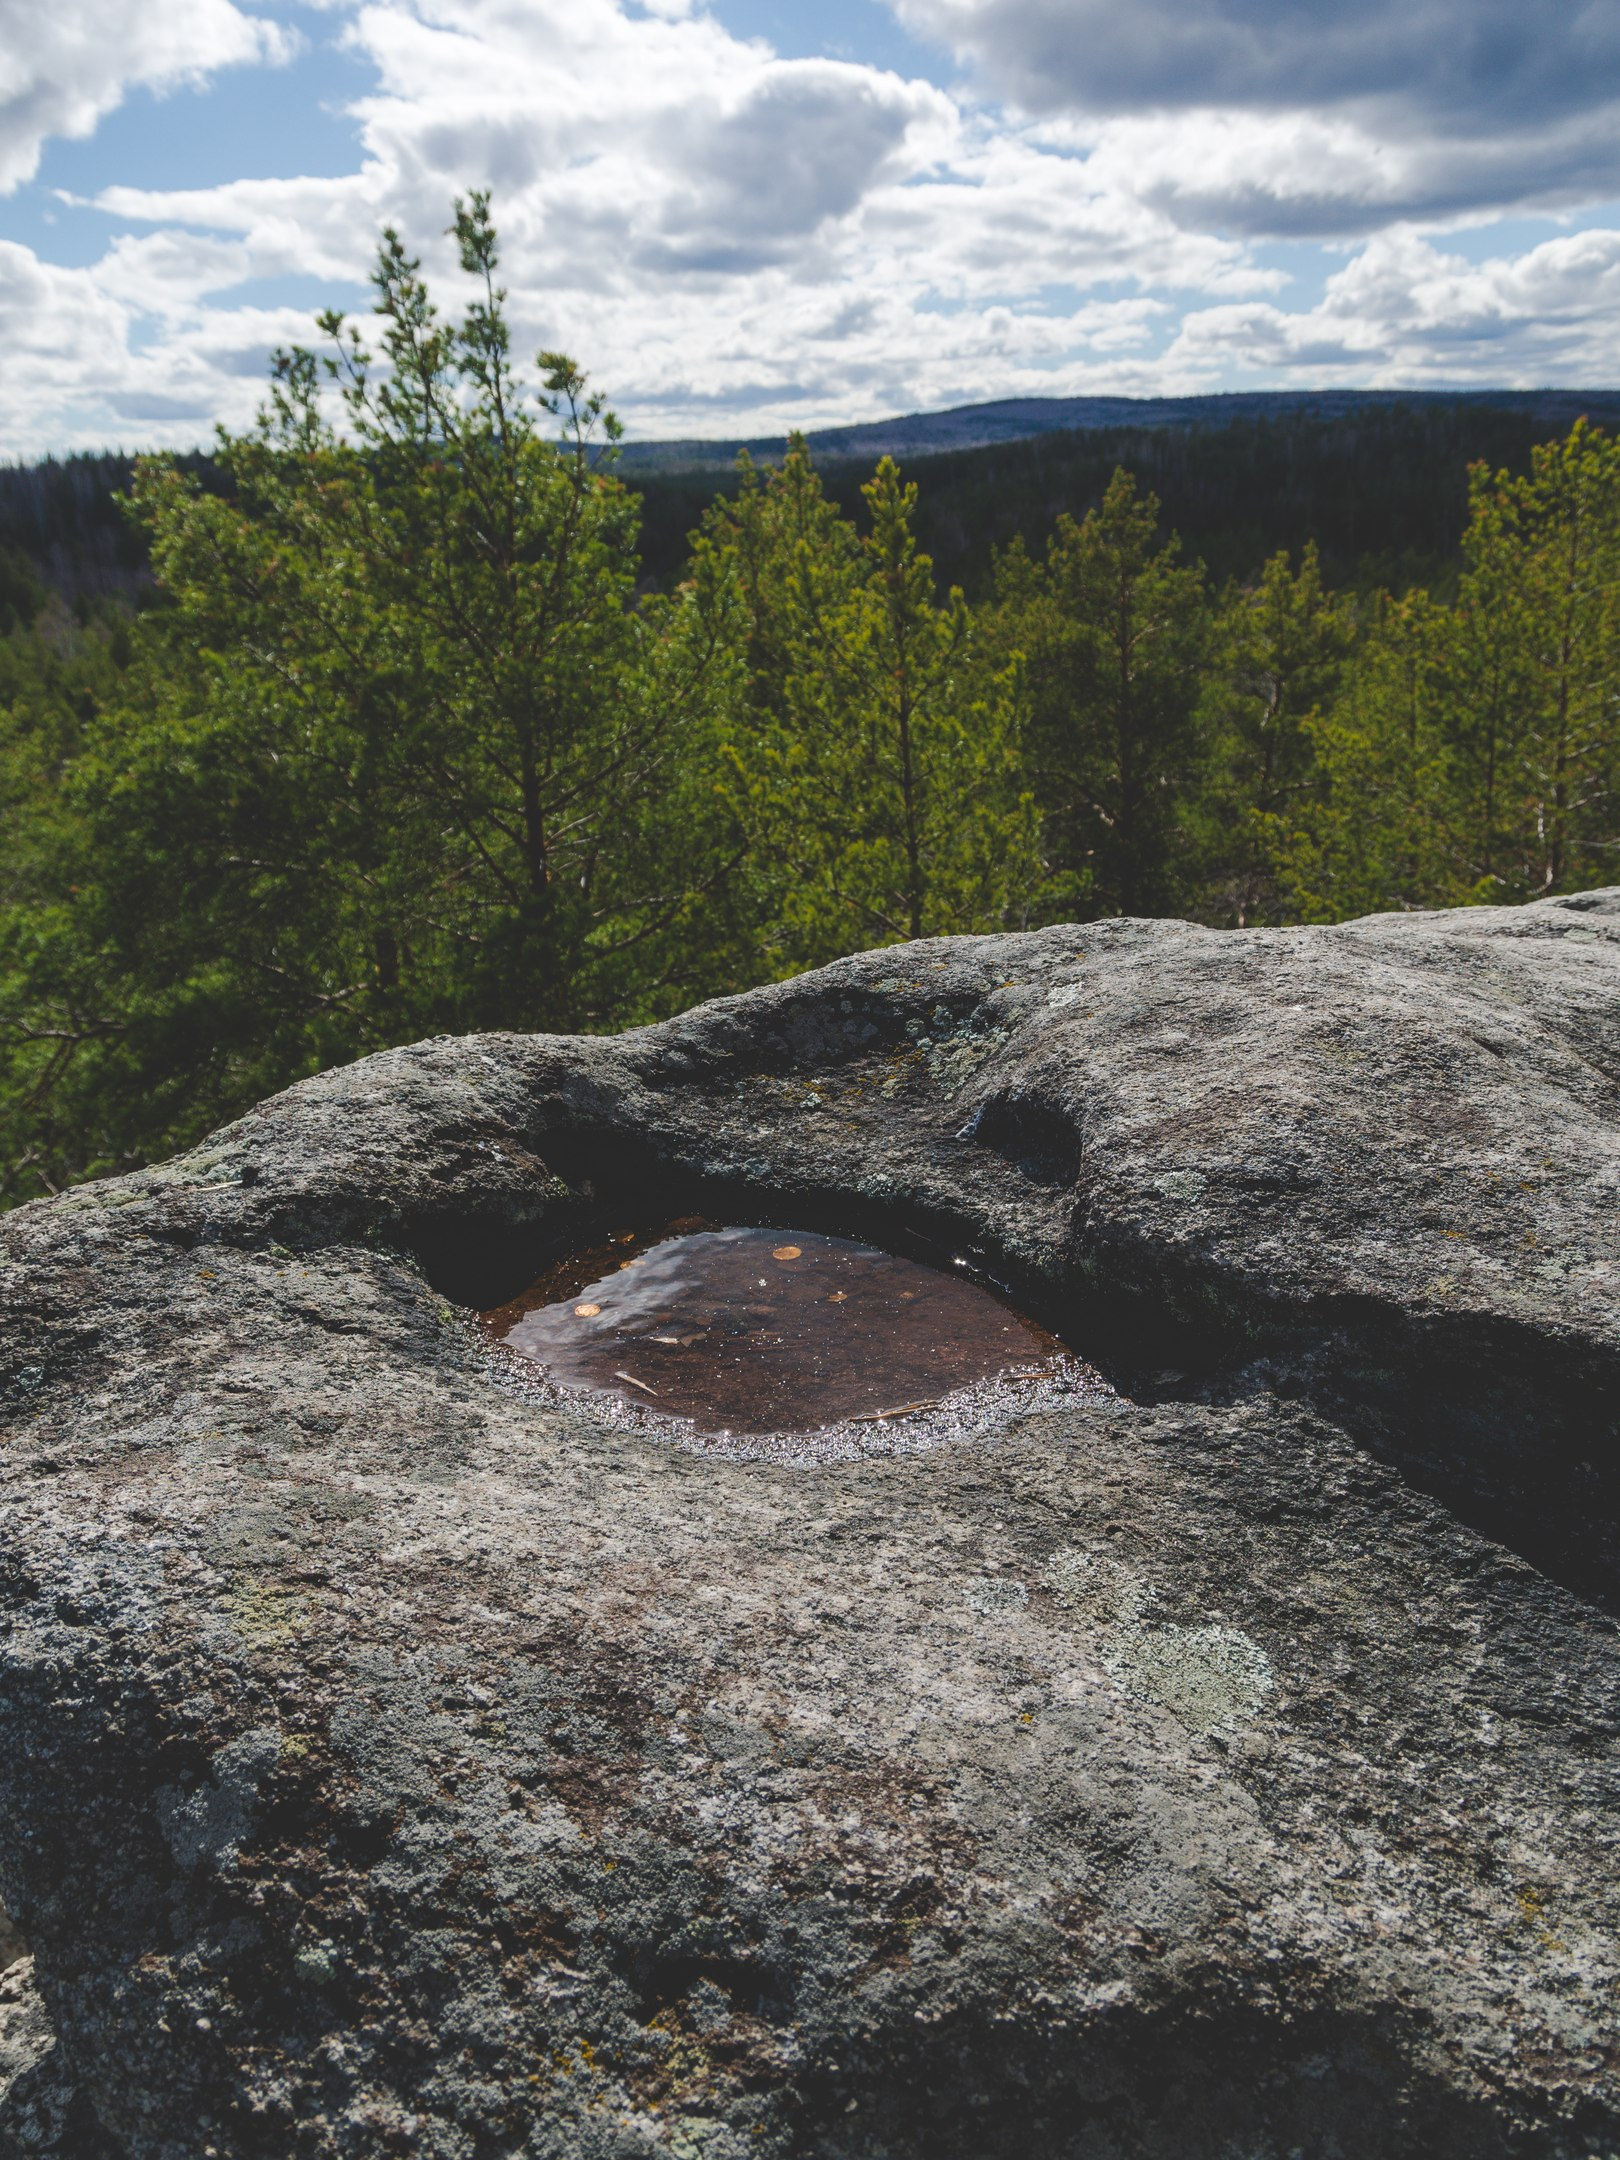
column 1406, row 312
column 66, row 63
column 731, row 240
column 1288, row 117
column 727, row 237
column 1453, row 61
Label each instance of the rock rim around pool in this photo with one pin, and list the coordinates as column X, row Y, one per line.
column 1222, row 1765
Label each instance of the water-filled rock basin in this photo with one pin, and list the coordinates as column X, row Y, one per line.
column 756, row 1330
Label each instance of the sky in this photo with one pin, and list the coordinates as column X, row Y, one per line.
column 755, row 214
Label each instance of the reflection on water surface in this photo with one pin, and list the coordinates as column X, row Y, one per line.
column 757, row 1331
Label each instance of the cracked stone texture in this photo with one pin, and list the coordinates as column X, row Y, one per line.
column 392, row 1761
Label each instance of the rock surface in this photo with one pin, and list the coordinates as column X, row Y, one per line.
column 392, row 1762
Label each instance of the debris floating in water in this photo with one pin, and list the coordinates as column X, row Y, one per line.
column 740, row 1333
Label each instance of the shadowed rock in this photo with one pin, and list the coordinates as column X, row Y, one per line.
column 392, row 1761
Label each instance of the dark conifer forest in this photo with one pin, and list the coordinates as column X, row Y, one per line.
column 413, row 709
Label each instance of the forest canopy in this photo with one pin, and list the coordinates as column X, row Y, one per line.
column 408, row 741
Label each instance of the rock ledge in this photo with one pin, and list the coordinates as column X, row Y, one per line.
column 392, row 1763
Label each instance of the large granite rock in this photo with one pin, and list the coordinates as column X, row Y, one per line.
column 394, row 1762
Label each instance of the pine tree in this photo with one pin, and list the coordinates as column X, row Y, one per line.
column 1561, row 529
column 1377, row 830
column 1280, row 650
column 1489, row 699
column 1113, row 629
column 873, row 747
column 414, row 644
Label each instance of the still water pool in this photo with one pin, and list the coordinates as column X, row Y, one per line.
column 747, row 1330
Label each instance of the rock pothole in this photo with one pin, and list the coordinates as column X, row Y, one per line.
column 792, row 1342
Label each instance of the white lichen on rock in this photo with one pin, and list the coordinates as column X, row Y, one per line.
column 1211, row 1678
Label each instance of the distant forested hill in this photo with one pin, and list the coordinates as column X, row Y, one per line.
column 1380, row 483
column 60, row 520
column 1378, row 480
column 970, row 427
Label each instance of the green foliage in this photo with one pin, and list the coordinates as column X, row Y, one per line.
column 1374, row 830
column 401, row 754
column 1546, row 550
column 1280, row 653
column 873, row 744
column 414, row 648
column 407, row 746
column 1472, row 752
column 22, row 592
column 61, row 1012
column 1114, row 630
